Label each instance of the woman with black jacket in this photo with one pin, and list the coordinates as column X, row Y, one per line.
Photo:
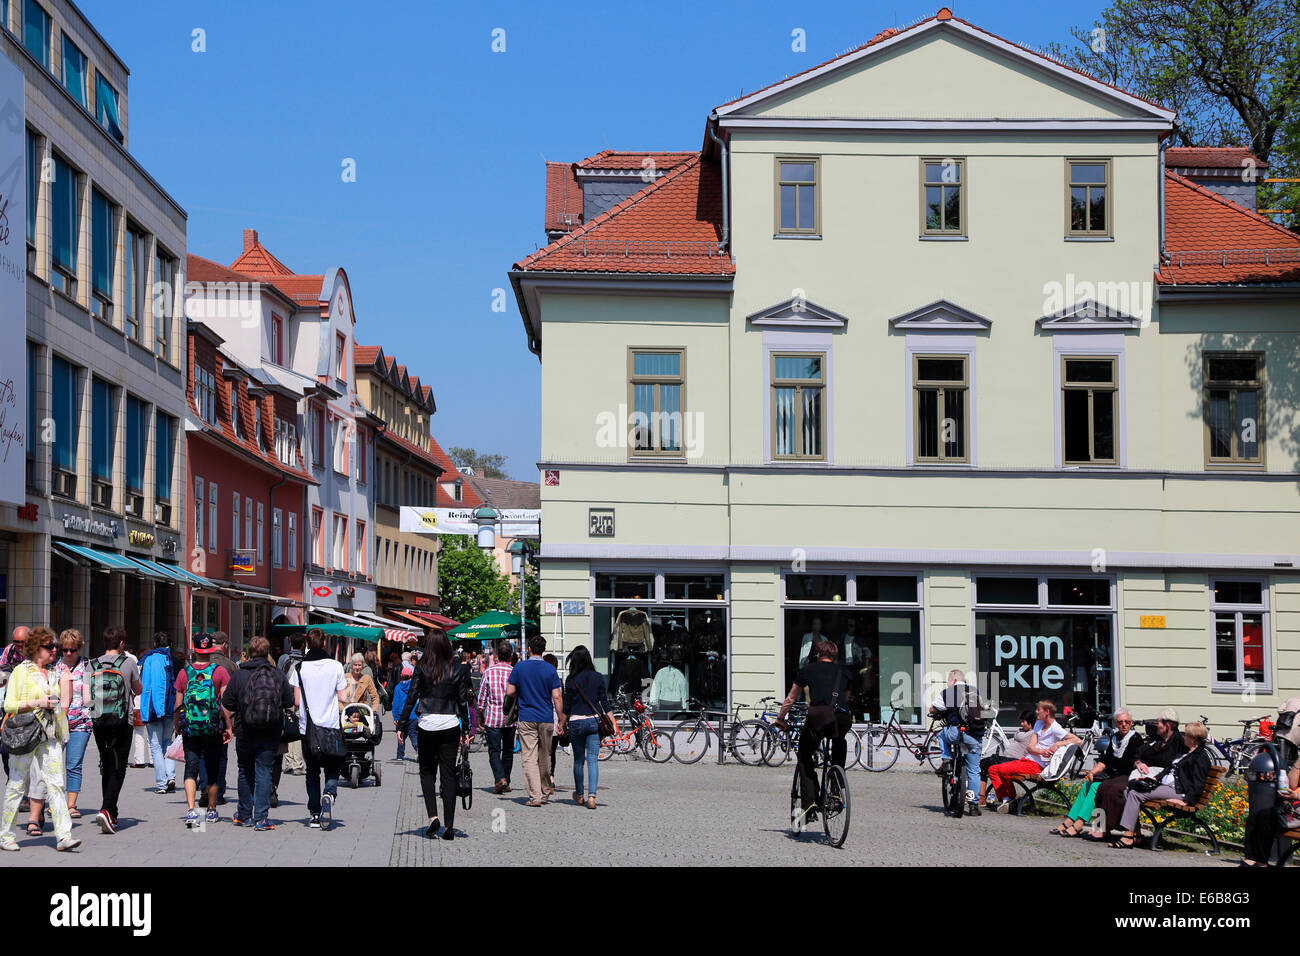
column 1182, row 782
column 441, row 684
column 1117, row 760
column 1158, row 750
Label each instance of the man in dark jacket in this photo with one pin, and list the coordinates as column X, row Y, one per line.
column 256, row 698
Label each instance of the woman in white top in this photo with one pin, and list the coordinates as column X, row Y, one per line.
column 318, row 689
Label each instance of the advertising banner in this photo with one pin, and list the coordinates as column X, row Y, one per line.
column 514, row 522
column 1025, row 658
column 13, row 285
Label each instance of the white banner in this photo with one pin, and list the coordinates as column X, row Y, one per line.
column 513, row 523
column 13, row 285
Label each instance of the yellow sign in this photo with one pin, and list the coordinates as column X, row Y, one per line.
column 429, row 519
column 1152, row 620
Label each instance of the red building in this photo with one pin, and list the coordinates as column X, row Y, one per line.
column 247, row 491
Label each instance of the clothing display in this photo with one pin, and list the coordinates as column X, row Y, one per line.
column 669, row 686
column 632, row 631
column 629, row 673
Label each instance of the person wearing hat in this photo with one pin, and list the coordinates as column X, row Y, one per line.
column 203, row 723
column 1156, row 751
column 1263, row 825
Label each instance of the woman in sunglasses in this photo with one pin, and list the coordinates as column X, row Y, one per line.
column 34, row 688
column 1116, row 761
column 73, row 677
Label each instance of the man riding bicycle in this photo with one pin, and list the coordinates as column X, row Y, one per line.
column 959, row 706
column 827, row 685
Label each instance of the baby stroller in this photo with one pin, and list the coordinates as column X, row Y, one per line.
column 361, row 733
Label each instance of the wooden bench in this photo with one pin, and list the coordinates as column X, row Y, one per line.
column 1284, row 856
column 1149, row 810
column 1030, row 784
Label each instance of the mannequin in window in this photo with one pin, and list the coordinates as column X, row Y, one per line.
column 810, row 640
column 632, row 631
column 629, row 675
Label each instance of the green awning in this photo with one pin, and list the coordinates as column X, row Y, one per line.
column 354, row 631
column 492, row 626
column 109, row 560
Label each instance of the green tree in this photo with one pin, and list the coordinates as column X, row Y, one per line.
column 469, row 581
column 1231, row 68
column 532, row 596
column 488, row 466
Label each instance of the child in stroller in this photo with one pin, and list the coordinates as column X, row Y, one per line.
column 361, row 733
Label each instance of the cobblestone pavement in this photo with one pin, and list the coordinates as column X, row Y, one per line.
column 648, row 814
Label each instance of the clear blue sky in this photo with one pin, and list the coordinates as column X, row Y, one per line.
column 448, row 139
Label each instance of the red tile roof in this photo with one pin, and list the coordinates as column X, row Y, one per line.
column 635, row 159
column 670, row 227
column 1212, row 157
column 413, row 449
column 563, row 198
column 256, row 259
column 1213, row 240
column 364, row 354
column 469, row 497
column 198, row 269
column 943, row 14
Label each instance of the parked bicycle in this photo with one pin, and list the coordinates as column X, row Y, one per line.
column 884, row 743
column 832, row 804
column 953, row 779
column 642, row 734
column 694, row 735
column 1234, row 756
column 1093, row 742
column 752, row 740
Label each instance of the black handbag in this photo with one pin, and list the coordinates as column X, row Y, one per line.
column 464, row 779
column 292, row 728
column 22, row 733
column 324, row 743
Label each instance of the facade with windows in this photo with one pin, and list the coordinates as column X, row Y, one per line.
column 100, row 539
column 248, row 486
column 998, row 393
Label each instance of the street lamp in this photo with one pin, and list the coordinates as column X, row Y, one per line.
column 486, row 519
column 521, row 553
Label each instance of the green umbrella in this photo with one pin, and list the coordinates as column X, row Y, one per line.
column 492, row 626
column 330, row 630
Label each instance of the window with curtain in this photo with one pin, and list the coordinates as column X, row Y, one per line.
column 106, row 108
column 102, row 436
column 340, row 543
column 360, row 567
column 1234, row 424
column 102, row 250
column 36, row 32
column 137, row 440
column 657, row 382
column 63, row 210
column 164, row 449
column 1241, row 645
column 798, row 392
column 940, row 387
column 74, row 70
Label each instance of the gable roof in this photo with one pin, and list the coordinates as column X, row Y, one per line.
column 1212, row 157
column 671, row 227
column 257, row 263
column 634, row 160
column 1212, row 240
column 506, row 492
column 469, row 497
column 256, row 259
column 199, row 269
column 943, row 20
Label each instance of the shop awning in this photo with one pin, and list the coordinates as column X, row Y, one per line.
column 174, row 573
column 109, row 560
column 492, row 626
column 330, row 630
column 401, row 635
column 423, row 619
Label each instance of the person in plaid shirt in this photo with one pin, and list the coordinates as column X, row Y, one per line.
column 500, row 732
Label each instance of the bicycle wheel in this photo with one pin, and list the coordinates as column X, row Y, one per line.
column 835, row 806
column 796, row 813
column 933, row 752
column 750, row 742
column 779, row 748
column 478, row 742
column 657, row 745
column 690, row 741
column 608, row 747
column 880, row 750
column 954, row 792
column 628, row 744
column 853, row 753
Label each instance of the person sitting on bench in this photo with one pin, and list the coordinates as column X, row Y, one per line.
column 1049, row 738
column 1181, row 784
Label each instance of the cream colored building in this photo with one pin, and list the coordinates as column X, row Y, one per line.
column 932, row 358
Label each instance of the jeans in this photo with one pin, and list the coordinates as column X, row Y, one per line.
column 160, row 738
column 330, row 767
column 413, row 740
column 438, row 757
column 501, row 752
column 255, row 756
column 114, row 743
column 584, row 735
column 73, row 754
column 972, row 745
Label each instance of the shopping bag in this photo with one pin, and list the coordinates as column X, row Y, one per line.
column 177, row 749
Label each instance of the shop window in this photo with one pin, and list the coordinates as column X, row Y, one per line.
column 694, row 587
column 1088, row 407
column 668, row 654
column 1000, row 591
column 886, row 589
column 816, row 587
column 1241, row 648
column 640, row 587
column 1081, row 592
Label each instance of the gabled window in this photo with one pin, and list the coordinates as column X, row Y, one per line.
column 36, row 32
column 340, row 357
column 943, row 199
column 656, row 383
column 798, row 205
column 1087, row 197
column 1089, row 387
column 798, row 405
column 941, row 385
column 1234, row 416
column 74, row 70
column 286, row 443
column 259, row 436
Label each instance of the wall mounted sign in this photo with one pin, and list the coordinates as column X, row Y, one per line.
column 141, row 538
column 169, row 545
column 104, row 529
column 552, row 477
column 29, row 512
column 1152, row 620
column 567, row 608
column 242, row 561
column 421, row 601
column 513, row 523
column 600, row 522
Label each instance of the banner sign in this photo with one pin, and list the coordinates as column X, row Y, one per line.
column 13, row 284
column 513, row 523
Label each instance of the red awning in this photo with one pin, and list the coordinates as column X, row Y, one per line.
column 426, row 618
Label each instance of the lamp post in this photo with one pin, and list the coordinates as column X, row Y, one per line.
column 521, row 553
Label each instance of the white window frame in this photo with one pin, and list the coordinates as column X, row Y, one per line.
column 1242, row 685
column 277, row 537
column 293, row 541
column 261, row 532
column 212, row 516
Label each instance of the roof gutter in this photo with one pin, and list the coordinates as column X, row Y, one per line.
column 711, row 128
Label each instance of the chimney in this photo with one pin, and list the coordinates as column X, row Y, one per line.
column 250, row 239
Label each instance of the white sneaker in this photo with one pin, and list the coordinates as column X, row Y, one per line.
column 970, row 797
column 1004, row 806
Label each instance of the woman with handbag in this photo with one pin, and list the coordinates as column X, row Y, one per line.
column 442, row 687
column 318, row 687
column 1182, row 783
column 587, row 718
column 35, row 732
column 1117, row 760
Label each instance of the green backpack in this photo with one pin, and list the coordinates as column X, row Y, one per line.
column 202, row 711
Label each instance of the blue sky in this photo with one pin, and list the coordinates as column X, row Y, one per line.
column 448, row 138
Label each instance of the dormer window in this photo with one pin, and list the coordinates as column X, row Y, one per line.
column 205, row 394
column 277, row 339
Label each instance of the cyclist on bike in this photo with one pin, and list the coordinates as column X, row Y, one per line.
column 959, row 706
column 827, row 684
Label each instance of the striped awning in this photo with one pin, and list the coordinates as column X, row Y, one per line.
column 391, row 634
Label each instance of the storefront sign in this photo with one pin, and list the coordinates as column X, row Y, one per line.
column 168, row 545
column 512, row 523
column 141, row 537
column 29, row 512
column 600, row 522
column 1028, row 652
column 566, row 608
column 1152, row 620
column 104, row 529
column 242, row 561
column 13, row 285
column 421, row 601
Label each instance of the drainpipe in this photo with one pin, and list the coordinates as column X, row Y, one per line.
column 726, row 216
column 1164, row 145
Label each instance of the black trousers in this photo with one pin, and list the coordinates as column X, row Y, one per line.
column 114, row 743
column 1261, row 830
column 437, row 754
column 822, row 721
